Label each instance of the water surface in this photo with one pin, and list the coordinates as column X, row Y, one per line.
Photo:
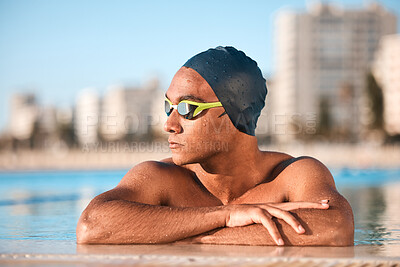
column 43, row 206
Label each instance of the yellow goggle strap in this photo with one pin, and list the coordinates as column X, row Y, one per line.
column 200, row 106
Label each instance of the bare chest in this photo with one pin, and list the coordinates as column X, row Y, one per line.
column 192, row 194
column 263, row 193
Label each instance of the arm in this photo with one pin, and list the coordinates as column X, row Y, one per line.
column 308, row 180
column 132, row 213
column 125, row 222
column 335, row 227
column 322, row 228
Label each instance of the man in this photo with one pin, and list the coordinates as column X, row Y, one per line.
column 218, row 187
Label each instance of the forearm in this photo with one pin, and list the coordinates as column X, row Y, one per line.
column 323, row 228
column 252, row 235
column 125, row 222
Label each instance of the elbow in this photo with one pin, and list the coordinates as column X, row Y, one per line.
column 342, row 232
column 343, row 236
column 83, row 231
column 89, row 231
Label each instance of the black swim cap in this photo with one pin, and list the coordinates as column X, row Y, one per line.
column 237, row 82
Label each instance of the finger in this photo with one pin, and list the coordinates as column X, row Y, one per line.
column 288, row 206
column 288, row 218
column 270, row 225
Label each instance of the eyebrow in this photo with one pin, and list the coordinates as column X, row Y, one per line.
column 189, row 97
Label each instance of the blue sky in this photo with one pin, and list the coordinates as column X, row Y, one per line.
column 56, row 48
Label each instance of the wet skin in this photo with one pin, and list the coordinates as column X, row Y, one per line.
column 218, row 188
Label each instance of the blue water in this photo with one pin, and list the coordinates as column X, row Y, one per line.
column 47, row 205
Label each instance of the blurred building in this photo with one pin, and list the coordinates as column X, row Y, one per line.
column 158, row 112
column 46, row 129
column 114, row 110
column 129, row 113
column 23, row 116
column 47, row 120
column 322, row 58
column 386, row 70
column 266, row 121
column 65, row 126
column 87, row 114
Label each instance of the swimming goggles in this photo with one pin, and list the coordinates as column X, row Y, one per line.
column 189, row 109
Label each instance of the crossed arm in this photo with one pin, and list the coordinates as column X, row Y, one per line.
column 321, row 228
column 331, row 227
column 116, row 217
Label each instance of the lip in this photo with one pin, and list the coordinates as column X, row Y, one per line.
column 174, row 145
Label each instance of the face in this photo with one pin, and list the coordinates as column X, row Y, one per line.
column 204, row 136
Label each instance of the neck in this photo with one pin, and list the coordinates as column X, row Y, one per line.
column 228, row 175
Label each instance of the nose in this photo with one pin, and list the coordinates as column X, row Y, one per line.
column 172, row 125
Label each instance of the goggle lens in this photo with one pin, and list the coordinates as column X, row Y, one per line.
column 183, row 108
column 167, row 108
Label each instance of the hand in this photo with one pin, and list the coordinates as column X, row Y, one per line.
column 246, row 214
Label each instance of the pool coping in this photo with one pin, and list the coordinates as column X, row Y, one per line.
column 190, row 260
column 67, row 252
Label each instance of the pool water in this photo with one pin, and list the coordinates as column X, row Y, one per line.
column 46, row 205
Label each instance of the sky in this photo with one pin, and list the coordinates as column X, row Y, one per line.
column 56, row 48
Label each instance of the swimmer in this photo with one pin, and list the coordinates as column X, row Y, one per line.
column 218, row 187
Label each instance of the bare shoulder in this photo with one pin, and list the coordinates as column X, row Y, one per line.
column 306, row 179
column 306, row 167
column 154, row 172
column 149, row 182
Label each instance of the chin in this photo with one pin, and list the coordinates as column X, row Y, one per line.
column 182, row 158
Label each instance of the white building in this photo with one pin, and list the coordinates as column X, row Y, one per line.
column 322, row 58
column 87, row 114
column 23, row 116
column 133, row 112
column 386, row 70
column 114, row 110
